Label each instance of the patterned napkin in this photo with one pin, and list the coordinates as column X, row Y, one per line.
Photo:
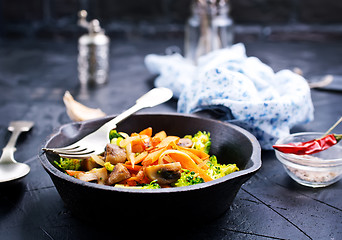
column 248, row 92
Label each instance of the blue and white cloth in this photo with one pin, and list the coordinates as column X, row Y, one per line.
column 250, row 93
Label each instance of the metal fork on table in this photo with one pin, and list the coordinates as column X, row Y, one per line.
column 95, row 142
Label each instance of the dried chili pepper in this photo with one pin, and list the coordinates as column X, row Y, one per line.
column 312, row 146
column 309, row 147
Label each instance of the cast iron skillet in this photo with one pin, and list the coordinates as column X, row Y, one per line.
column 231, row 144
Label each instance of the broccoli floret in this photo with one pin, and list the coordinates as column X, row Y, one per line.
column 188, row 178
column 115, row 137
column 114, row 134
column 217, row 170
column 69, row 163
column 151, row 185
column 188, row 136
column 201, row 141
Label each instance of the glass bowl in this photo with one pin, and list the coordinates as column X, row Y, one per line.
column 317, row 170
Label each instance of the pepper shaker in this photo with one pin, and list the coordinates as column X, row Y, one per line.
column 93, row 55
column 209, row 28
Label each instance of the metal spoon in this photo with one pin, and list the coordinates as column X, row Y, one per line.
column 9, row 168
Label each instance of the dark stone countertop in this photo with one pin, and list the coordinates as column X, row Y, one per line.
column 33, row 78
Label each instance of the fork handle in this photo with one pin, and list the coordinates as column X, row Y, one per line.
column 12, row 141
column 9, row 149
column 152, row 98
column 112, row 123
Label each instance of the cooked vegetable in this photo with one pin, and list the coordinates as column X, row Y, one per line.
column 114, row 134
column 84, row 176
column 119, row 173
column 101, row 174
column 164, row 173
column 96, row 174
column 98, row 159
column 188, row 178
column 188, row 163
column 151, row 185
column 115, row 137
column 114, row 154
column 201, row 141
column 158, row 137
column 89, row 163
column 217, row 170
column 69, row 163
column 146, row 161
column 185, row 142
column 109, row 166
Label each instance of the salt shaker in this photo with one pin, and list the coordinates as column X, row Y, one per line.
column 209, row 28
column 93, row 56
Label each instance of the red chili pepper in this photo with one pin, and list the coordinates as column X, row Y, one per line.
column 309, row 147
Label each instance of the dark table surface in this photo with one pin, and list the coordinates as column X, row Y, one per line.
column 33, row 78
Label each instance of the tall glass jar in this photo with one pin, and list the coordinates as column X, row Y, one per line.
column 209, row 28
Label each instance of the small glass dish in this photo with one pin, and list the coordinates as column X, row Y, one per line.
column 316, row 170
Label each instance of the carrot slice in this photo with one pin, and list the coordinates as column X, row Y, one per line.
column 138, row 145
column 147, row 131
column 140, row 175
column 153, row 156
column 198, row 153
column 197, row 159
column 139, row 178
column 133, row 168
column 130, row 181
column 166, row 141
column 73, row 173
column 198, row 156
column 158, row 137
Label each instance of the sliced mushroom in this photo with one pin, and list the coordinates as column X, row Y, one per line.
column 88, row 164
column 86, row 176
column 164, row 173
column 185, row 142
column 119, row 173
column 100, row 175
column 114, row 154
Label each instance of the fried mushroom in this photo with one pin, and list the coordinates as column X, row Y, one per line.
column 98, row 175
column 114, row 154
column 164, row 173
column 185, row 142
column 88, row 164
column 119, row 173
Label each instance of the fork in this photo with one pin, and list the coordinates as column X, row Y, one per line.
column 95, row 142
